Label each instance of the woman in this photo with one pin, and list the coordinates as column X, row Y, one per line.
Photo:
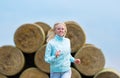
column 58, row 52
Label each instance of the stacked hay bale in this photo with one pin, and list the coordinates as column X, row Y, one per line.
column 92, row 60
column 11, row 60
column 15, row 60
column 2, row 76
column 33, row 72
column 76, row 35
column 107, row 73
column 26, row 58
column 39, row 60
column 75, row 73
column 29, row 37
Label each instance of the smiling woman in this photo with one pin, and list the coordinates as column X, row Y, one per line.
column 99, row 18
column 58, row 52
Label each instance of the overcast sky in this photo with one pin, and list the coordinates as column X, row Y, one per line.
column 100, row 19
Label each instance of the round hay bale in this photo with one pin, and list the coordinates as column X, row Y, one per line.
column 92, row 60
column 45, row 26
column 76, row 35
column 11, row 60
column 75, row 73
column 33, row 72
column 88, row 44
column 107, row 73
column 29, row 37
column 39, row 60
column 2, row 76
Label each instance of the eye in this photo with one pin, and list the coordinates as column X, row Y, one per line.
column 62, row 28
column 58, row 28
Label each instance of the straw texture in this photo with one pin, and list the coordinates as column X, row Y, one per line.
column 2, row 76
column 39, row 60
column 29, row 37
column 76, row 35
column 107, row 73
column 92, row 60
column 11, row 60
column 44, row 25
column 33, row 73
column 75, row 73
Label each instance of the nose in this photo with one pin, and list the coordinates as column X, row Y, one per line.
column 60, row 30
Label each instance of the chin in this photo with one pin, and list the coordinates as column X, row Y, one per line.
column 61, row 35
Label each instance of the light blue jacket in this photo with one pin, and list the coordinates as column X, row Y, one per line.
column 63, row 62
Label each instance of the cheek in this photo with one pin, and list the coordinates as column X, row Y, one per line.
column 64, row 31
column 56, row 31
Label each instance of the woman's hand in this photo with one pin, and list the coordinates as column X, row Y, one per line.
column 57, row 53
column 77, row 61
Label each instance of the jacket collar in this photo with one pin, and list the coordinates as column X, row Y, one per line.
column 59, row 38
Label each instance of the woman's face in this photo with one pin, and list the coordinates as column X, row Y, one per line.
column 60, row 29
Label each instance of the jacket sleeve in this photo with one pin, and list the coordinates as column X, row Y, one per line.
column 72, row 59
column 49, row 58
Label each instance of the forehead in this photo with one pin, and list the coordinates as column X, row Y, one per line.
column 60, row 26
